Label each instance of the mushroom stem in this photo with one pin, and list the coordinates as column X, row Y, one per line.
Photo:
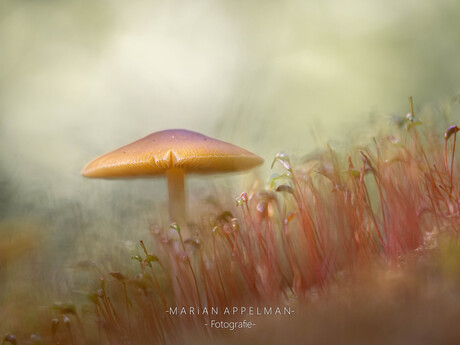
column 176, row 190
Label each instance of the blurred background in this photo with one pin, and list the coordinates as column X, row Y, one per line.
column 81, row 78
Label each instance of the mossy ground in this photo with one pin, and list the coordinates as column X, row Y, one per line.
column 363, row 244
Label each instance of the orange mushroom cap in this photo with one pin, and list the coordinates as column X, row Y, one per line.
column 171, row 149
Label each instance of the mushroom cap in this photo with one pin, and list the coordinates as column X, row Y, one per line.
column 171, row 149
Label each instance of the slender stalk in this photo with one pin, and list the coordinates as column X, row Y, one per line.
column 191, row 270
column 176, row 190
column 452, row 164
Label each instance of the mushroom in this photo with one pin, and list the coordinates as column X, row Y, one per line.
column 173, row 153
